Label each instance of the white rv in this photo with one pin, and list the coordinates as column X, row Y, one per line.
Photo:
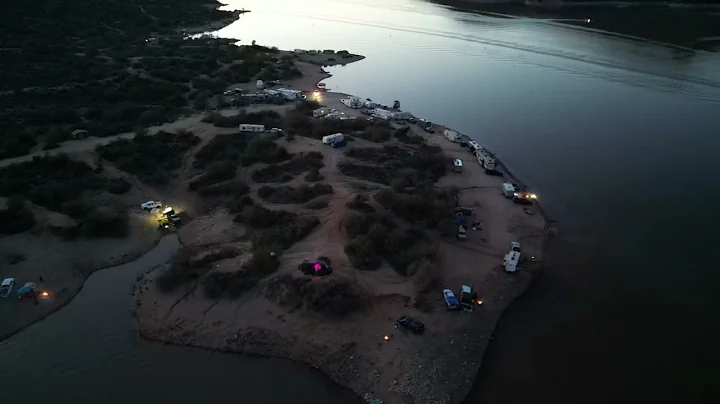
column 352, row 102
column 320, row 112
column 474, row 146
column 485, row 160
column 290, row 95
column 330, row 139
column 248, row 127
column 511, row 261
column 451, row 135
column 382, row 114
column 402, row 116
column 260, row 85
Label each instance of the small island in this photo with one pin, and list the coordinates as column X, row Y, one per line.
column 370, row 245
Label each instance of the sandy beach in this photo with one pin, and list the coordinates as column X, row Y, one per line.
column 362, row 351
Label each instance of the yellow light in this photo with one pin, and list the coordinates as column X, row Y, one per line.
column 45, row 294
column 533, row 196
column 587, row 20
column 479, row 302
column 387, row 338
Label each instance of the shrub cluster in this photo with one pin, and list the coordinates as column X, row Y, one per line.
column 16, row 218
column 287, row 171
column 425, row 207
column 329, row 297
column 189, row 265
column 374, row 237
column 287, row 194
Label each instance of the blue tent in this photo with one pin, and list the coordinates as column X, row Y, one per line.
column 460, row 219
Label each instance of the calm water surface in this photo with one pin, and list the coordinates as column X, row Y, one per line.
column 620, row 140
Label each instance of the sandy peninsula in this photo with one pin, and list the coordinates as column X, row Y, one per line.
column 360, row 347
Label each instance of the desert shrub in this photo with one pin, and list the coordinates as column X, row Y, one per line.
column 263, row 218
column 49, row 181
column 405, row 135
column 324, row 127
column 218, row 171
column 376, row 133
column 329, row 297
column 150, row 158
column 222, row 148
column 118, row 186
column 263, row 150
column 318, row 204
column 374, row 238
column 226, row 188
column 16, row 218
column 188, row 266
column 105, row 222
column 233, row 284
column 77, row 209
column 288, row 170
column 299, row 194
column 426, row 207
column 283, row 236
column 314, row 175
column 359, row 202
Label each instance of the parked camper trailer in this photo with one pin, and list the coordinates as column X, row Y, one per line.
column 508, row 190
column 511, row 261
column 353, row 102
column 382, row 114
column 320, row 112
column 451, row 135
column 457, row 165
column 260, row 84
column 474, row 146
column 485, row 160
column 290, row 95
column 330, row 139
column 247, row 127
column 402, row 116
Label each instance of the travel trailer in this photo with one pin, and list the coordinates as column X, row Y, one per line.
column 247, row 127
column 485, row 160
column 260, row 85
column 402, row 116
column 474, row 146
column 331, row 139
column 451, row 135
column 290, row 95
column 353, row 102
column 511, row 261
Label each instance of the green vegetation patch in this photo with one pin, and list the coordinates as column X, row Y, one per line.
column 241, row 149
column 287, row 171
column 374, row 238
column 152, row 158
column 300, row 194
column 49, row 181
column 407, row 167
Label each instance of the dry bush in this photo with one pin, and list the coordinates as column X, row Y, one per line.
column 299, row 194
column 328, row 297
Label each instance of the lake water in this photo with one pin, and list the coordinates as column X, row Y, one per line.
column 620, row 140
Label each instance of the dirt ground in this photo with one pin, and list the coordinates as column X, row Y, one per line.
column 437, row 367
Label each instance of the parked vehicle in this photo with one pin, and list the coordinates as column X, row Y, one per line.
column 515, row 246
column 451, row 301
column 451, row 135
column 467, row 297
column 6, row 287
column 150, row 205
column 508, row 190
column 330, row 139
column 171, row 215
column 462, row 233
column 247, row 127
column 511, row 261
column 457, row 165
column 428, row 129
column 405, row 323
column 28, row 290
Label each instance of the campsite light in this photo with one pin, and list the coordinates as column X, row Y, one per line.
column 533, row 196
column 588, row 21
column 387, row 338
column 44, row 294
column 479, row 302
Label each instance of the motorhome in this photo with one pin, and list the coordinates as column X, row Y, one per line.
column 353, row 102
column 331, row 139
column 457, row 165
column 508, row 190
column 485, row 160
column 382, row 114
column 451, row 135
column 511, row 261
column 247, row 127
column 290, row 95
column 402, row 116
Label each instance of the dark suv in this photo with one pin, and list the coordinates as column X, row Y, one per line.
column 405, row 323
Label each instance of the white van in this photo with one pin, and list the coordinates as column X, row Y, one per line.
column 457, row 165
column 508, row 190
column 511, row 261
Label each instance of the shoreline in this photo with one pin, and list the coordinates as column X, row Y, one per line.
column 259, row 341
